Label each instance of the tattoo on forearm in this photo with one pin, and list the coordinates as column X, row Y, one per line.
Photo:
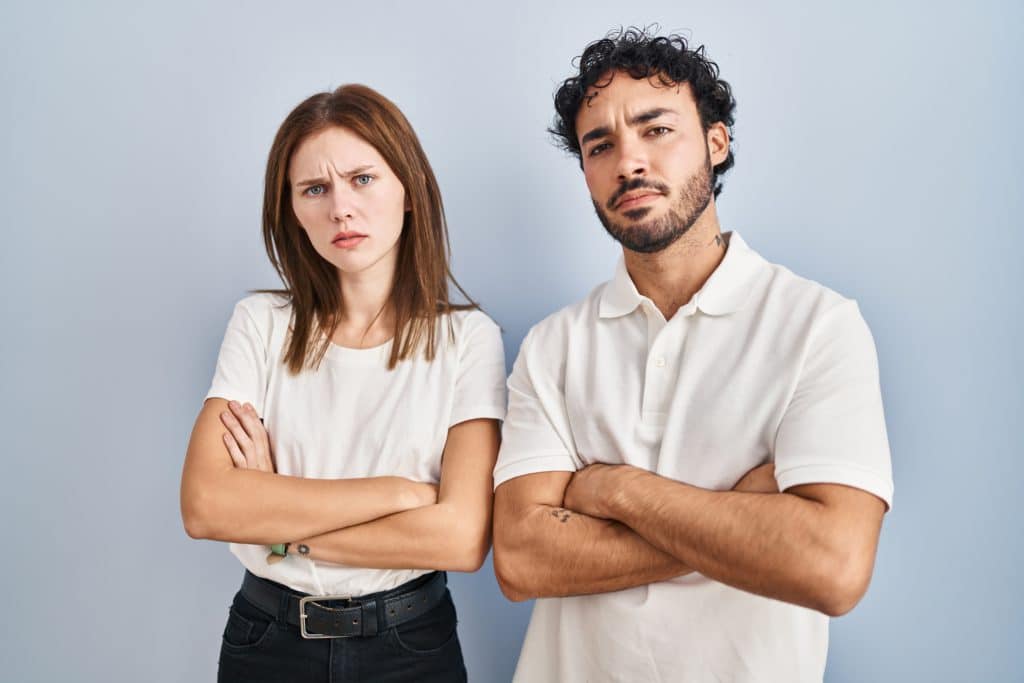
column 561, row 514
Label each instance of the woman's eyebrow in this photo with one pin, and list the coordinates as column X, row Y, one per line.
column 347, row 174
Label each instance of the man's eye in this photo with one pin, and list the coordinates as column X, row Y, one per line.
column 363, row 179
column 315, row 190
column 597, row 149
column 659, row 130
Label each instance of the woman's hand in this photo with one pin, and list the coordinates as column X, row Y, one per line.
column 423, row 494
column 246, row 439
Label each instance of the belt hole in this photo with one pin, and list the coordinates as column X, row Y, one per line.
column 391, row 611
column 355, row 621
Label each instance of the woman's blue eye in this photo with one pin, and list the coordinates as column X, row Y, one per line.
column 363, row 179
column 315, row 190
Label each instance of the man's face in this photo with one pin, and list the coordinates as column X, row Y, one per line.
column 647, row 159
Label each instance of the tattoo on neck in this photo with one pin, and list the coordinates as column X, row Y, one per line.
column 561, row 514
column 719, row 241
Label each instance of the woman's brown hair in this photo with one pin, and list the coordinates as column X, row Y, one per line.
column 419, row 295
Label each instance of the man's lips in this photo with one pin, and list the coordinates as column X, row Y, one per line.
column 632, row 199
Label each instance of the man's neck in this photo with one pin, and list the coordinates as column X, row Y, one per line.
column 672, row 276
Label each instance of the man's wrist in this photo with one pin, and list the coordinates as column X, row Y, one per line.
column 627, row 484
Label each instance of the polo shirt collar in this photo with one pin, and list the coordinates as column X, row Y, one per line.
column 724, row 292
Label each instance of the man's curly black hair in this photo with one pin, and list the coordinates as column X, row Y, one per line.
column 643, row 55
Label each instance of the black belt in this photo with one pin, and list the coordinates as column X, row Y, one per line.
column 361, row 616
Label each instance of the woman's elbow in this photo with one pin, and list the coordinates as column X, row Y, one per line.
column 470, row 550
column 196, row 514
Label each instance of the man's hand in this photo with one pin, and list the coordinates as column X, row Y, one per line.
column 593, row 486
column 761, row 479
column 246, row 439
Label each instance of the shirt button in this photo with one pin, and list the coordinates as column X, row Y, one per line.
column 659, row 362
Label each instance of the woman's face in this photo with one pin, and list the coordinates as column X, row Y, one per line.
column 348, row 200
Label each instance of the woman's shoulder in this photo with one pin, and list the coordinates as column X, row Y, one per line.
column 265, row 302
column 470, row 331
column 469, row 321
column 267, row 310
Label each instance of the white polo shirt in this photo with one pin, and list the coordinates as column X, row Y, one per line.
column 760, row 365
column 352, row 417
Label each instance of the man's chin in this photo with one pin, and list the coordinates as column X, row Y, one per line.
column 638, row 213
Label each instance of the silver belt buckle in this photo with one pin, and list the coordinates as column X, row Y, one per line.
column 302, row 614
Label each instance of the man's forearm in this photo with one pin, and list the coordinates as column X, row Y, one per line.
column 554, row 552
column 250, row 506
column 781, row 546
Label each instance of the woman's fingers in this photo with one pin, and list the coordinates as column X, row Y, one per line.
column 249, row 437
column 237, row 457
column 257, row 451
column 237, row 431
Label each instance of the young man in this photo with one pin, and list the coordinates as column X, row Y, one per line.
column 649, row 424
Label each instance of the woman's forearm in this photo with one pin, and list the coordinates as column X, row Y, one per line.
column 223, row 502
column 439, row 536
column 249, row 506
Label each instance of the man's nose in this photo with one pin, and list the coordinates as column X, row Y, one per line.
column 632, row 161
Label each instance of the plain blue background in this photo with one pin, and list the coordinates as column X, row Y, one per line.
column 878, row 151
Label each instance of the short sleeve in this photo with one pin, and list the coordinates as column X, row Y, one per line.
column 833, row 430
column 480, row 384
column 536, row 436
column 242, row 365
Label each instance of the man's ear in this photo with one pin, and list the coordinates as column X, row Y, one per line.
column 718, row 142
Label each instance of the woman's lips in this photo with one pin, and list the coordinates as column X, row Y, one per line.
column 348, row 240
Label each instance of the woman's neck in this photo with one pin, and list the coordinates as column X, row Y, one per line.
column 367, row 319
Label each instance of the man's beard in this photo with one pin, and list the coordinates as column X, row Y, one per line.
column 656, row 234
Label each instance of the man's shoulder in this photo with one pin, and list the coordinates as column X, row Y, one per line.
column 797, row 295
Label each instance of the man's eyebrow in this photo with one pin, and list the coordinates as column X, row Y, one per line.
column 347, row 174
column 649, row 115
column 642, row 117
column 594, row 134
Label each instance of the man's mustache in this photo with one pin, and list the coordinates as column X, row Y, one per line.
column 635, row 184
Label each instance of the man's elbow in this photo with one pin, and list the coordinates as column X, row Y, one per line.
column 513, row 578
column 844, row 589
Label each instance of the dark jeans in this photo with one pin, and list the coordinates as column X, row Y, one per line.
column 263, row 647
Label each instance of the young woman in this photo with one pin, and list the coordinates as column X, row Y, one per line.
column 346, row 445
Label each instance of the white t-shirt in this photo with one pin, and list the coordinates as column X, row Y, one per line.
column 352, row 417
column 760, row 365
